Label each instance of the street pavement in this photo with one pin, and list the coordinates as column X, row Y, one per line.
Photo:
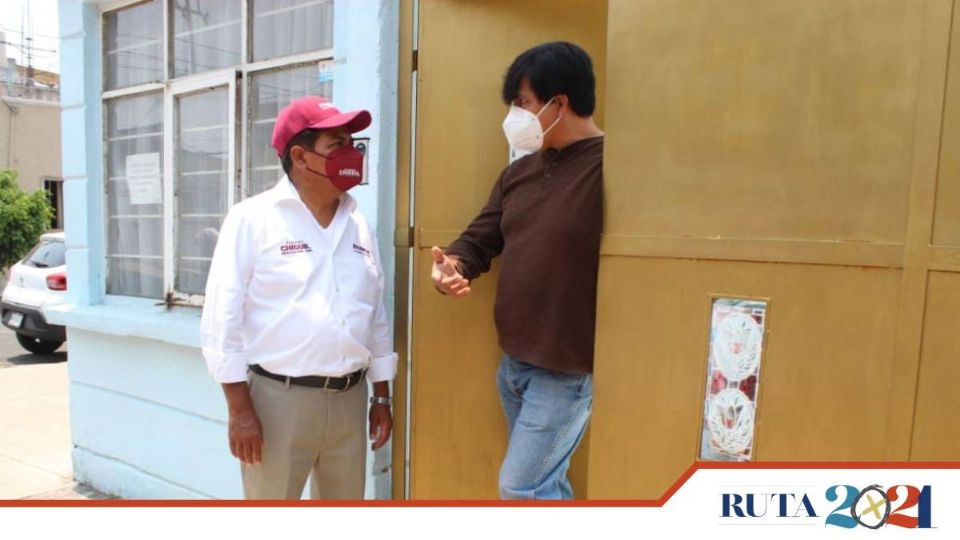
column 35, row 442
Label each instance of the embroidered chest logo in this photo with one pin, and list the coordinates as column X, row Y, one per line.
column 362, row 250
column 289, row 248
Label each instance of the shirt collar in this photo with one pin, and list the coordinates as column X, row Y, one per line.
column 552, row 154
column 286, row 191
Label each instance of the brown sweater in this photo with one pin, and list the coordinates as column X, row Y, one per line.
column 545, row 217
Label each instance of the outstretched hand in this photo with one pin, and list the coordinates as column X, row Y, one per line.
column 446, row 275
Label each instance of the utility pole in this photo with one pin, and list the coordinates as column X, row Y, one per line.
column 29, row 51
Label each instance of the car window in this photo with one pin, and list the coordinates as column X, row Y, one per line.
column 48, row 253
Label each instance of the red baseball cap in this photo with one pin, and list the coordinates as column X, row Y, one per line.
column 314, row 112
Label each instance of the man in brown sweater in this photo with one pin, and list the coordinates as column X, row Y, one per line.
column 544, row 219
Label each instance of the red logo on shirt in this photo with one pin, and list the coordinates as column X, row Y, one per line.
column 289, row 248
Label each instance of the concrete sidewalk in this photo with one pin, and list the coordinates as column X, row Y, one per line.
column 35, row 442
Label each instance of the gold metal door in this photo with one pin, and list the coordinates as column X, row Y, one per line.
column 458, row 433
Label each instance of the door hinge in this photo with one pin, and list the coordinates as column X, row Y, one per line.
column 403, row 238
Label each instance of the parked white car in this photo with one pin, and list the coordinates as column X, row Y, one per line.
column 36, row 282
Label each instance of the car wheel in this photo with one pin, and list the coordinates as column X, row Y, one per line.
column 38, row 346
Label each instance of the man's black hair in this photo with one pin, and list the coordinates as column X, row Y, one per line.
column 307, row 138
column 553, row 69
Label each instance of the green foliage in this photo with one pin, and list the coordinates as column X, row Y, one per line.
column 23, row 218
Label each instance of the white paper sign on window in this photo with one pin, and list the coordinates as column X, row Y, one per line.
column 143, row 178
column 733, row 373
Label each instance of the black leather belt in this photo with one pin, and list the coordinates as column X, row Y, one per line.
column 333, row 383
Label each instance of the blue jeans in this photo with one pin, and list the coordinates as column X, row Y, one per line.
column 547, row 413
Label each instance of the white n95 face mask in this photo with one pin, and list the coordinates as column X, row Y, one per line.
column 523, row 132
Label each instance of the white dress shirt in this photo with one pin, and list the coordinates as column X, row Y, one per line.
column 298, row 299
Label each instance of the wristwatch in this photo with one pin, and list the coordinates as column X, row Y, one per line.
column 381, row 400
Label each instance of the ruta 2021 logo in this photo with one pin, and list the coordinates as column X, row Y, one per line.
column 872, row 507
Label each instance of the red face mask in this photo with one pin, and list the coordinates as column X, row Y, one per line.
column 344, row 167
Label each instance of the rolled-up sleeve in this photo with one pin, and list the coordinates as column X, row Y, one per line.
column 383, row 362
column 221, row 325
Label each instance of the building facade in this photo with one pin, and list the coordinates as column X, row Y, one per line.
column 168, row 108
column 789, row 163
column 30, row 128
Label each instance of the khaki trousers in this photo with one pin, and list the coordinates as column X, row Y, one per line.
column 308, row 430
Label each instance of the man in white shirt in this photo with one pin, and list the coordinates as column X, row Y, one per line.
column 294, row 319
